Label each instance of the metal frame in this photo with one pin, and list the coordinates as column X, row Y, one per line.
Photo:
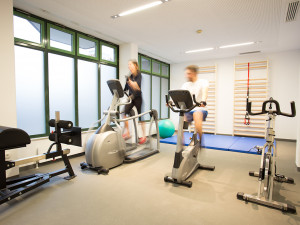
column 12, row 188
column 45, row 28
column 267, row 172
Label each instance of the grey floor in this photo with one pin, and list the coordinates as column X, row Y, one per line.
column 136, row 194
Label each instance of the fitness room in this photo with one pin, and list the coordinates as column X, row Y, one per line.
column 149, row 112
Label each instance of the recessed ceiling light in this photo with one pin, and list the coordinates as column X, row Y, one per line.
column 140, row 8
column 237, row 45
column 199, row 50
column 199, row 31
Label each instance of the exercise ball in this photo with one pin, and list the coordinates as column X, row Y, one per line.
column 166, row 128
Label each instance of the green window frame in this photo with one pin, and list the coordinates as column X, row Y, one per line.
column 115, row 62
column 30, row 18
column 168, row 69
column 89, row 39
column 141, row 65
column 152, row 63
column 47, row 49
column 62, row 29
column 153, row 74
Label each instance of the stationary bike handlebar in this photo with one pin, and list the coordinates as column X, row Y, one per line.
column 171, row 105
column 277, row 111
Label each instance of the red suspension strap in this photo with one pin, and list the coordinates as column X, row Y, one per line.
column 247, row 117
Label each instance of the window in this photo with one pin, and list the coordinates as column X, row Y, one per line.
column 108, row 53
column 146, row 95
column 156, row 94
column 87, row 47
column 155, row 67
column 107, row 73
column 164, row 91
column 87, row 93
column 30, row 90
column 145, row 64
column 60, row 39
column 164, row 70
column 67, row 74
column 155, row 85
column 28, row 29
column 61, row 86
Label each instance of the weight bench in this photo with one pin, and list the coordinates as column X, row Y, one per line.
column 12, row 138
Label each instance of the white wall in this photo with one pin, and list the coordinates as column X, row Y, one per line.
column 127, row 51
column 284, row 87
column 298, row 130
column 8, row 112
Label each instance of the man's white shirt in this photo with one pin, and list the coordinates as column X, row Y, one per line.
column 196, row 88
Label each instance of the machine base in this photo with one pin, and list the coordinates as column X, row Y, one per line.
column 272, row 204
column 99, row 170
column 139, row 155
column 185, row 182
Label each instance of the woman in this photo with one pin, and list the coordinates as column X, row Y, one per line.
column 133, row 85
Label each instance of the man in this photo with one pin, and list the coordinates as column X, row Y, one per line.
column 199, row 88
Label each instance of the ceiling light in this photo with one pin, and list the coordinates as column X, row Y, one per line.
column 140, row 8
column 237, row 45
column 199, row 50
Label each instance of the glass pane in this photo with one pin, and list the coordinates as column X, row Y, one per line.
column 155, row 67
column 164, row 91
column 27, row 30
column 108, row 53
column 146, row 63
column 87, row 47
column 87, row 93
column 156, row 94
column 30, row 90
column 146, row 94
column 61, row 40
column 165, row 70
column 107, row 73
column 61, row 87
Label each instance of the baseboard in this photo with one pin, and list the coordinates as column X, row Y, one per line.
column 287, row 140
column 33, row 166
column 224, row 134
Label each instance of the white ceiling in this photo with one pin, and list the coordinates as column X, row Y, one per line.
column 168, row 30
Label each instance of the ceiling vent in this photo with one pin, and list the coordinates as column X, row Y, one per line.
column 245, row 53
column 292, row 11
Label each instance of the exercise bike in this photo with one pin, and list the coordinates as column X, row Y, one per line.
column 267, row 173
column 186, row 161
column 11, row 138
column 106, row 148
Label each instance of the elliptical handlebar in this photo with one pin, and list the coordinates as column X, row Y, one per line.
column 264, row 109
column 171, row 105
